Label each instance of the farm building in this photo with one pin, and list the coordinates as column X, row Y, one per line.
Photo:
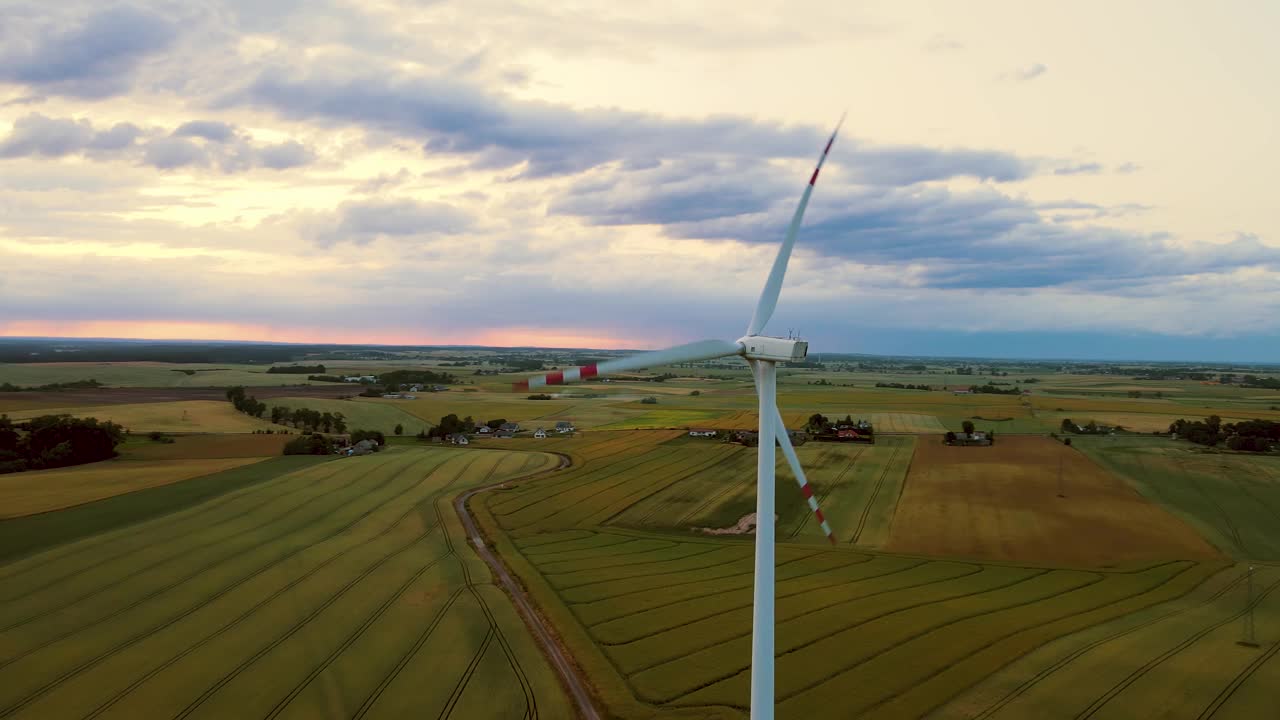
column 458, row 439
column 360, row 378
column 539, row 433
column 978, row 438
column 364, row 447
column 702, row 433
column 504, row 434
column 484, row 430
column 510, row 427
column 564, row 426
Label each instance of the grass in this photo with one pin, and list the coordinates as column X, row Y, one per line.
column 340, row 588
column 1233, row 499
column 192, row 416
column 28, row 493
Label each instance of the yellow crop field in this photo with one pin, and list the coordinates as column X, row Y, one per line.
column 342, row 588
column 1001, row 503
column 40, row 491
column 202, row 416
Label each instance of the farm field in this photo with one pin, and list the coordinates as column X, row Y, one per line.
column 659, row 616
column 361, row 414
column 856, row 485
column 38, row 491
column 1001, row 503
column 1175, row 659
column 190, row 447
column 337, row 589
column 194, row 416
column 1232, row 499
column 143, row 374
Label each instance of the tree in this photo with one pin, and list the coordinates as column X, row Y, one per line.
column 1067, row 442
column 495, row 424
column 339, row 422
column 950, row 437
column 695, row 393
column 374, row 435
column 968, row 427
column 399, row 429
column 326, row 421
column 309, row 445
column 1067, row 425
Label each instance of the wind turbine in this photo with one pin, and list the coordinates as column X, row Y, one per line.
column 763, row 353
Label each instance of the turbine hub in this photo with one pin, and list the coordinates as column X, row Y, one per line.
column 772, row 349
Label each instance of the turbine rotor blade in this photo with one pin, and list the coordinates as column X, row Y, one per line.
column 773, row 286
column 784, row 439
column 691, row 352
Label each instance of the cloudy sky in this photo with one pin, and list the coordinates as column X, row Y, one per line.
column 1088, row 179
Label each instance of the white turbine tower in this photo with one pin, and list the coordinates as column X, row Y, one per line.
column 763, row 353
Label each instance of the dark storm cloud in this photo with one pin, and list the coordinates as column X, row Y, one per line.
column 92, row 57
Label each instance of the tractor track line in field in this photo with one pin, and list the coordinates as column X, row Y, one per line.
column 1136, row 675
column 644, row 520
column 662, row 464
column 130, row 550
column 991, row 643
column 899, row 642
column 584, row 480
column 178, row 555
column 686, row 598
column 1239, row 680
column 825, row 490
column 333, row 598
column 370, row 701
column 791, row 615
column 4, row 712
column 393, row 597
column 530, row 698
column 573, row 680
column 262, row 603
column 875, row 493
column 669, row 544
column 808, row 611
column 166, row 588
column 1063, row 662
column 686, row 582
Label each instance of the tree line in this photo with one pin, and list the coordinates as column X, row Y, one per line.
column 52, row 441
column 903, row 386
column 72, row 385
column 1246, row 435
column 304, row 419
column 296, row 370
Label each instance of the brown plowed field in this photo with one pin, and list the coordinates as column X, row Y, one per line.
column 1001, row 503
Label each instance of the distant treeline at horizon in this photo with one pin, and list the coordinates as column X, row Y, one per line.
column 42, row 350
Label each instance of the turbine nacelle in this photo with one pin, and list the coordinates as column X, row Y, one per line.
column 772, row 349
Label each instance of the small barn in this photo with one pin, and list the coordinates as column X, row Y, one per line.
column 539, row 433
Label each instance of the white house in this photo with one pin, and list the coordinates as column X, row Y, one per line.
column 564, row 426
column 484, row 430
column 539, row 433
column 702, row 433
